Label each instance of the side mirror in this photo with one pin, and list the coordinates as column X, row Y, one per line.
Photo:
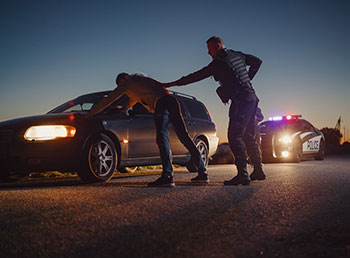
column 131, row 112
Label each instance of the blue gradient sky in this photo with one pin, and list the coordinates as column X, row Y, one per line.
column 52, row 51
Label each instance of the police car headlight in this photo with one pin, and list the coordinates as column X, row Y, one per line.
column 285, row 139
column 49, row 132
column 285, row 154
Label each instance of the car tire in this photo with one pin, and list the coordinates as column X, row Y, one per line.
column 297, row 153
column 321, row 153
column 99, row 159
column 203, row 151
column 127, row 169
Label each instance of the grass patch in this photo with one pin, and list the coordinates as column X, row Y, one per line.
column 52, row 174
column 57, row 174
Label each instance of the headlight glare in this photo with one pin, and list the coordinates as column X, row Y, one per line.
column 49, row 132
column 286, row 139
column 285, row 154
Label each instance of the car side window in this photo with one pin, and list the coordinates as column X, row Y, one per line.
column 80, row 107
column 183, row 109
column 310, row 127
column 196, row 110
column 119, row 105
column 74, row 108
column 307, row 126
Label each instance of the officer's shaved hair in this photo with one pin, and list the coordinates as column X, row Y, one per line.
column 215, row 40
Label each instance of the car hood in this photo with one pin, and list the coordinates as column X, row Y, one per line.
column 59, row 118
column 269, row 130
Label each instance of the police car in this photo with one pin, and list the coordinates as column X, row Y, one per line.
column 290, row 139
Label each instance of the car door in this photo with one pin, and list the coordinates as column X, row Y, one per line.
column 116, row 120
column 142, row 133
column 310, row 138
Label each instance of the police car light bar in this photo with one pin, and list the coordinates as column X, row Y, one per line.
column 275, row 118
column 287, row 117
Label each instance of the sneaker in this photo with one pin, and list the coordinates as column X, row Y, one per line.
column 238, row 180
column 166, row 181
column 201, row 178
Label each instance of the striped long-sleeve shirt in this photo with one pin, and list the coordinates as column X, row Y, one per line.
column 230, row 69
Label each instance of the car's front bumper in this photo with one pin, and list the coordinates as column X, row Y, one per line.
column 61, row 155
column 213, row 144
column 274, row 150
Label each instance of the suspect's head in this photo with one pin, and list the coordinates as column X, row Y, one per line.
column 121, row 78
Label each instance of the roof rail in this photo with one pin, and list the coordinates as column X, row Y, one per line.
column 182, row 94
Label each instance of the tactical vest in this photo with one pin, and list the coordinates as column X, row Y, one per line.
column 236, row 77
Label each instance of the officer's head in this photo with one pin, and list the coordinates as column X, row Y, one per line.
column 121, row 78
column 215, row 44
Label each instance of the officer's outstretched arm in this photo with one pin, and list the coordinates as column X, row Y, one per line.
column 199, row 75
column 112, row 96
column 169, row 84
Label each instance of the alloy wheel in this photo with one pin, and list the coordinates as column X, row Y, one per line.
column 101, row 158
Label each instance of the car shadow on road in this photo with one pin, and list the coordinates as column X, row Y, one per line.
column 41, row 183
column 115, row 183
column 75, row 181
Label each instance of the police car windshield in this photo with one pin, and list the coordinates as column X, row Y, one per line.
column 290, row 125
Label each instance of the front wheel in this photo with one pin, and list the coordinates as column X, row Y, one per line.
column 321, row 153
column 204, row 154
column 297, row 152
column 99, row 159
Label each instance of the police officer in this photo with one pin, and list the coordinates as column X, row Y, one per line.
column 229, row 68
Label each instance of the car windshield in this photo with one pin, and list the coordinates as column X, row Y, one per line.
column 290, row 125
column 86, row 102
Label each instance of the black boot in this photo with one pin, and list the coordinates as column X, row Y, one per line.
column 243, row 177
column 258, row 173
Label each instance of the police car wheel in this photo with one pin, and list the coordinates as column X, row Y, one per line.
column 321, row 153
column 296, row 157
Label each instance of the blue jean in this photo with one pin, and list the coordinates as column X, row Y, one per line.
column 168, row 112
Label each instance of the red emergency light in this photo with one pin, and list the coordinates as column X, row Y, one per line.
column 287, row 117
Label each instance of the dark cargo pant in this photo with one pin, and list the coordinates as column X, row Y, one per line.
column 241, row 130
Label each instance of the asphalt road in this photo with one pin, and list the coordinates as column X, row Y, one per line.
column 301, row 210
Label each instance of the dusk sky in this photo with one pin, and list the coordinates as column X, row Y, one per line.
column 52, row 51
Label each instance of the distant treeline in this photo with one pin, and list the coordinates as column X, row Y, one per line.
column 333, row 138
